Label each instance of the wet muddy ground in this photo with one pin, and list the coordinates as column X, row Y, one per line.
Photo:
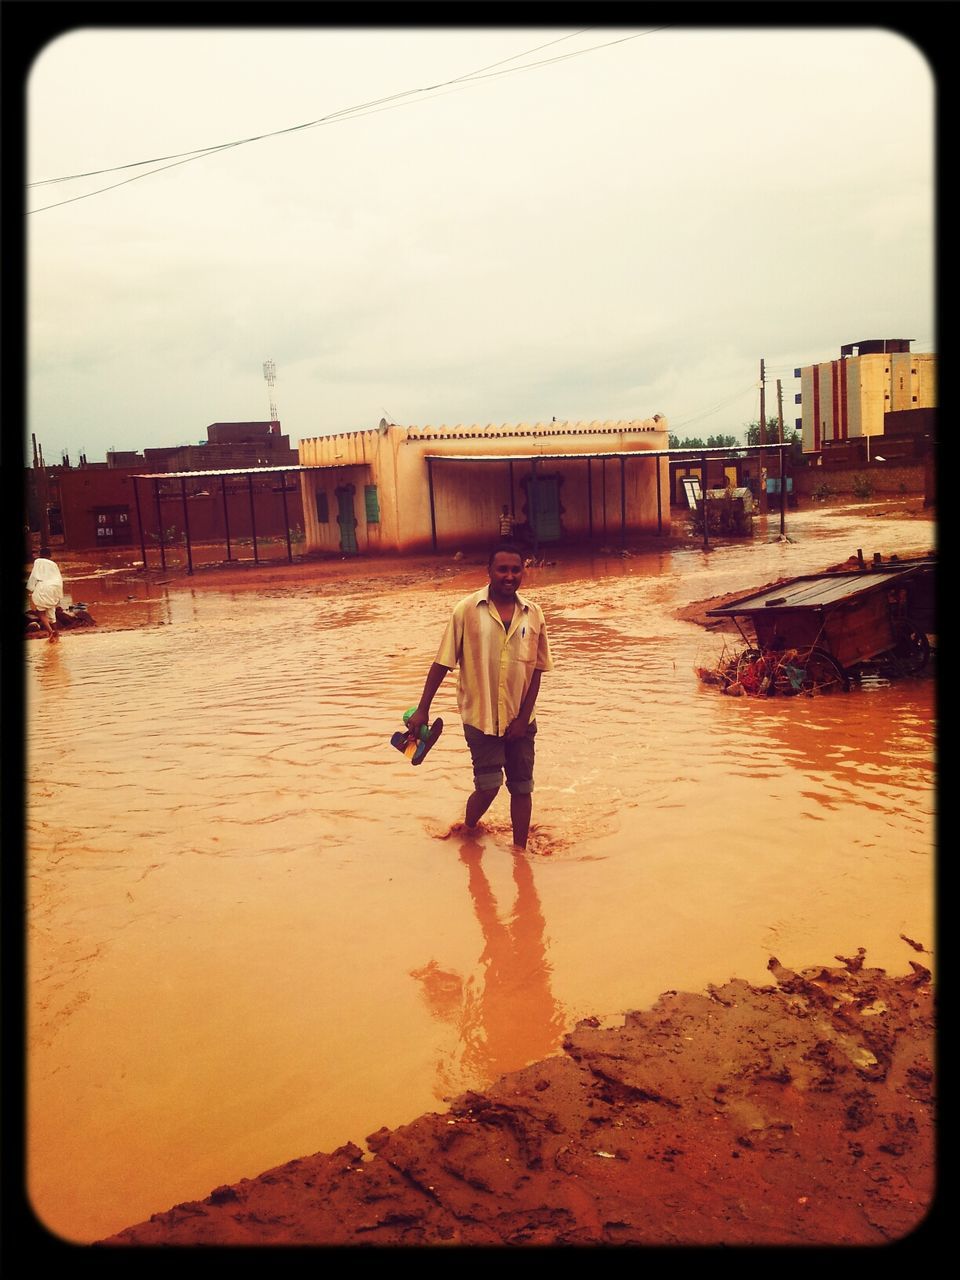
column 797, row 1113
column 254, row 931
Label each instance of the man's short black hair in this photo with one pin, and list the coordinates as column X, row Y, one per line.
column 511, row 549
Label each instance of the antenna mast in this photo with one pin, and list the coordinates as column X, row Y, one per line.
column 270, row 373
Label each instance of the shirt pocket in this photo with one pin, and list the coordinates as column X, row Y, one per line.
column 525, row 644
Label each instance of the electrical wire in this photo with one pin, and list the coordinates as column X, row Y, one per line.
column 198, row 151
column 706, row 413
column 492, row 71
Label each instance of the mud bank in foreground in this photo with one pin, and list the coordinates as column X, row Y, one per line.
column 797, row 1113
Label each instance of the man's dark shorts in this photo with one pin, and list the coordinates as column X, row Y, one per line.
column 492, row 755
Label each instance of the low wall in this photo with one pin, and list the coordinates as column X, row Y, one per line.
column 883, row 479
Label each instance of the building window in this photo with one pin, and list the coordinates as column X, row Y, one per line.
column 323, row 507
column 371, row 503
column 113, row 524
column 914, row 399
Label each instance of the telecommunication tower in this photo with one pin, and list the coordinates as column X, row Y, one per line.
column 270, row 373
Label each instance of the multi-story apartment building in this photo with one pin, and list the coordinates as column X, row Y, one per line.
column 848, row 399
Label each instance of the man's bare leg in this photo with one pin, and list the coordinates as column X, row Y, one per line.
column 40, row 615
column 521, row 806
column 477, row 805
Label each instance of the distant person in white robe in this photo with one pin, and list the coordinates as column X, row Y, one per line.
column 45, row 586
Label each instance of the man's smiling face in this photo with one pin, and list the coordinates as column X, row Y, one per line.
column 506, row 573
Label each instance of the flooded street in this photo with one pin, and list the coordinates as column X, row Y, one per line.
column 255, row 932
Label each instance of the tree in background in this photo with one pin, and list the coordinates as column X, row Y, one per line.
column 794, row 438
column 773, row 433
column 752, row 431
column 711, row 442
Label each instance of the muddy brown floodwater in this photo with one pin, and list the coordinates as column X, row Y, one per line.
column 254, row 931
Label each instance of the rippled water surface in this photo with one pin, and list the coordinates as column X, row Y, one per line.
column 255, row 932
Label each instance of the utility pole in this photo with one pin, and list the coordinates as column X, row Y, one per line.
column 41, row 491
column 781, row 467
column 763, row 441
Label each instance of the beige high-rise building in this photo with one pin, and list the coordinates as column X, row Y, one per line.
column 847, row 398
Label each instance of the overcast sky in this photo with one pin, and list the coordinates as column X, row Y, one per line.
column 621, row 229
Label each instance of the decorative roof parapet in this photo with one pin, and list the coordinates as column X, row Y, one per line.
column 444, row 432
column 509, row 430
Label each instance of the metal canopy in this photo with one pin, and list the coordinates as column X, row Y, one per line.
column 536, row 457
column 695, row 454
column 222, row 473
column 731, row 451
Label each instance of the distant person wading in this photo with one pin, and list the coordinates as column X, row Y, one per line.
column 45, row 586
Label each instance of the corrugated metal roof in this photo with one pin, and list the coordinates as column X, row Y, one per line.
column 539, row 457
column 237, row 471
column 677, row 454
column 813, row 592
column 726, row 452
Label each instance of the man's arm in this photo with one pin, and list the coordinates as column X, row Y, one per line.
column 518, row 727
column 434, row 680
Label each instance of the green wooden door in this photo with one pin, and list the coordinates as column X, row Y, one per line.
column 543, row 502
column 347, row 520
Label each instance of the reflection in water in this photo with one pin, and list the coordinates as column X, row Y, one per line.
column 510, row 1017
column 870, row 746
column 53, row 672
column 231, row 874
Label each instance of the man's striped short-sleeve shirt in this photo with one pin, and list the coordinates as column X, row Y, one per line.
column 496, row 662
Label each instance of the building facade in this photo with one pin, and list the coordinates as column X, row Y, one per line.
column 94, row 506
column 417, row 489
column 849, row 398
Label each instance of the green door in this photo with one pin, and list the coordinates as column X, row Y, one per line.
column 543, row 503
column 347, row 520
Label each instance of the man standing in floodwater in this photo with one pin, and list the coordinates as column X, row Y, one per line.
column 498, row 639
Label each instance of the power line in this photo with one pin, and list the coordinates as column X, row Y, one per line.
column 334, row 117
column 706, row 413
column 198, row 151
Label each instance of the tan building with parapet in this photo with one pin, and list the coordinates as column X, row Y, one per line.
column 421, row 489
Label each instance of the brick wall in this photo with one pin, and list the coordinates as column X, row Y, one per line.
column 886, row 480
